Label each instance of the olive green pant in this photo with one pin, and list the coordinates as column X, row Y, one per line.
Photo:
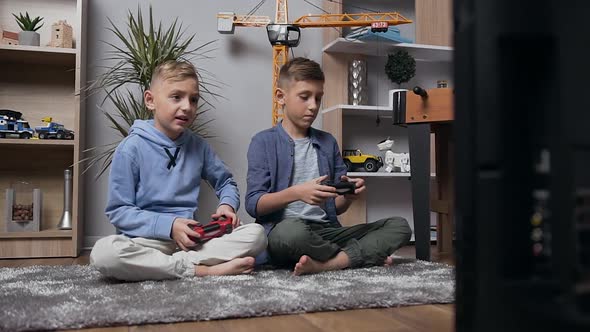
column 365, row 244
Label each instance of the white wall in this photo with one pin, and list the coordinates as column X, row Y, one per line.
column 242, row 61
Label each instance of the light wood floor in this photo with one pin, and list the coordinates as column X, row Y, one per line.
column 427, row 318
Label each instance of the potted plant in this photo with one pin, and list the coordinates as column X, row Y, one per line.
column 400, row 67
column 133, row 59
column 29, row 35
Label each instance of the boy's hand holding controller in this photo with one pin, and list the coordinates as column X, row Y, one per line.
column 358, row 182
column 227, row 211
column 313, row 192
column 181, row 232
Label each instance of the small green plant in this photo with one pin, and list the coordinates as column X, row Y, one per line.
column 25, row 22
column 400, row 67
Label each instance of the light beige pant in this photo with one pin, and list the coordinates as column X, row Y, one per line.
column 126, row 258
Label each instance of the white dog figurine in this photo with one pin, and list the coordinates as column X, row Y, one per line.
column 401, row 161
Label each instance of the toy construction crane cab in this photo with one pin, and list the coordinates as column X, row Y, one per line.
column 13, row 126
column 282, row 34
column 53, row 130
column 278, row 34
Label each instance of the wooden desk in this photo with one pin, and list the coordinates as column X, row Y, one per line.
column 422, row 118
column 423, row 200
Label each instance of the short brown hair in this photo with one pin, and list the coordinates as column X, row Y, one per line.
column 176, row 70
column 300, row 69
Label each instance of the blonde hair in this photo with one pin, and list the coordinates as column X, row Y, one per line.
column 300, row 69
column 176, row 70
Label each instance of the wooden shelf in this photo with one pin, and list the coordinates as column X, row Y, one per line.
column 382, row 174
column 358, row 109
column 52, row 233
column 45, row 142
column 420, row 52
column 378, row 174
column 41, row 81
column 38, row 55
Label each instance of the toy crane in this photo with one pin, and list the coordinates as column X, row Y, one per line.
column 283, row 35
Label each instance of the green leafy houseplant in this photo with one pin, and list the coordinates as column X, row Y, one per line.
column 125, row 81
column 400, row 67
column 25, row 22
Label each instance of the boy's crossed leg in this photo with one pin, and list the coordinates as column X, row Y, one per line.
column 315, row 247
column 133, row 259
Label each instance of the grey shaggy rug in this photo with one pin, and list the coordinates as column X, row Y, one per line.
column 61, row 297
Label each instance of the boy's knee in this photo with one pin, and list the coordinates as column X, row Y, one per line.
column 105, row 254
column 99, row 256
column 400, row 226
column 255, row 235
column 288, row 233
column 398, row 223
column 287, row 241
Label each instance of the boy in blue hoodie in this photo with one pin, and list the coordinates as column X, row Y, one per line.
column 154, row 186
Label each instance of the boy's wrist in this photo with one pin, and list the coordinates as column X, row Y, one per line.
column 172, row 228
column 293, row 194
column 226, row 205
column 233, row 203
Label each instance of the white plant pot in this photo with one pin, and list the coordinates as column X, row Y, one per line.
column 30, row 38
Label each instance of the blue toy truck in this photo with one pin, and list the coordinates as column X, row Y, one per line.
column 53, row 130
column 13, row 126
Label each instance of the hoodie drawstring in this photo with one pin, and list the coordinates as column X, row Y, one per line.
column 172, row 158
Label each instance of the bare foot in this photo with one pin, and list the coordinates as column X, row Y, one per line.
column 233, row 267
column 388, row 261
column 307, row 265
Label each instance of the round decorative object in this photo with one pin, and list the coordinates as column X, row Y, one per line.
column 357, row 82
column 400, row 67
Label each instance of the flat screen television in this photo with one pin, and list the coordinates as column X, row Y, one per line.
column 522, row 176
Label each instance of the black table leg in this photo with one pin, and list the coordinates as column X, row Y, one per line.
column 419, row 141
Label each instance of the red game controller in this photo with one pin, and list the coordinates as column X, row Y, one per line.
column 213, row 229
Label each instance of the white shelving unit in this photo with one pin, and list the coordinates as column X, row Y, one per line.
column 362, row 127
column 357, row 109
column 380, row 174
column 420, row 52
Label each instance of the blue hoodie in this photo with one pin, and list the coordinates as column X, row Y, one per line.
column 154, row 180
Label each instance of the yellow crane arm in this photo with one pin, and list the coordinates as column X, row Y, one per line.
column 245, row 20
column 348, row 20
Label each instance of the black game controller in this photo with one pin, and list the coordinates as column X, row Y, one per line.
column 342, row 188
